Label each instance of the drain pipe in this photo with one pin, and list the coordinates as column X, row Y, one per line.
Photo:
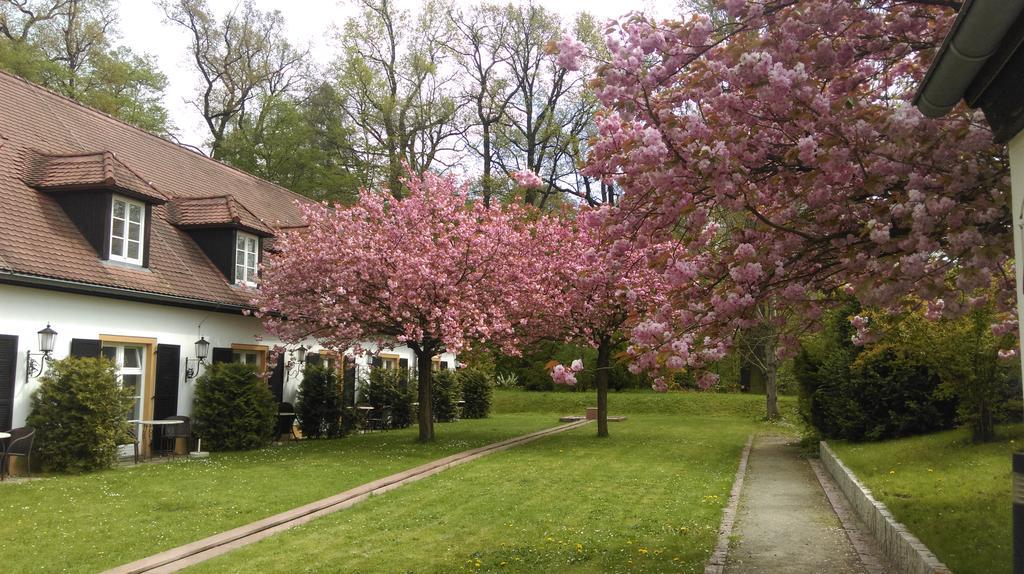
column 976, row 35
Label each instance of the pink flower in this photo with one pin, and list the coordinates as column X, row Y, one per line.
column 1006, row 354
column 527, row 179
column 577, row 366
column 569, row 53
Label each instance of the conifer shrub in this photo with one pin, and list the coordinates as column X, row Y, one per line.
column 477, row 388
column 234, row 408
column 446, row 393
column 80, row 415
column 318, row 405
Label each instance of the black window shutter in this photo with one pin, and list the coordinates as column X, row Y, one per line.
column 313, row 359
column 403, row 364
column 376, row 362
column 221, row 355
column 348, row 389
column 165, row 395
column 85, row 347
column 276, row 381
column 146, row 235
column 444, row 365
column 8, row 368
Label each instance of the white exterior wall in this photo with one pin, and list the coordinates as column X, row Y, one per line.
column 1016, row 148
column 26, row 310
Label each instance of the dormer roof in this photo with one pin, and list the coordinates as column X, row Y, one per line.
column 86, row 172
column 215, row 211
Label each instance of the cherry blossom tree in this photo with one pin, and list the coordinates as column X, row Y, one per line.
column 432, row 271
column 777, row 139
column 611, row 283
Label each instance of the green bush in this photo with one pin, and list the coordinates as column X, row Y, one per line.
column 234, row 409
column 886, row 390
column 318, row 404
column 391, row 389
column 532, row 373
column 80, row 414
column 445, row 395
column 477, row 388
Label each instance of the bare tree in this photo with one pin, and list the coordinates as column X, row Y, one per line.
column 241, row 59
column 396, row 79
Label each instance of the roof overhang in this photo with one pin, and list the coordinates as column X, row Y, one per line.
column 981, row 62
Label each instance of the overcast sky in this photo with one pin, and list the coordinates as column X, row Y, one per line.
column 309, row 21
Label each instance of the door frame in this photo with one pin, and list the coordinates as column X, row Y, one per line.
column 148, row 375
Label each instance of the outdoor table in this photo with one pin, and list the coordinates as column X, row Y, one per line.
column 146, row 438
column 365, row 408
column 3, row 454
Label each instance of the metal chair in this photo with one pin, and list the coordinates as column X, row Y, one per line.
column 20, row 445
column 379, row 419
column 134, row 438
column 286, row 420
column 169, row 435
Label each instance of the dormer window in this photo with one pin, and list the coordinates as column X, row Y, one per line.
column 127, row 226
column 246, row 257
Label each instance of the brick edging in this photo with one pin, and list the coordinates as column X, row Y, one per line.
column 200, row 550
column 902, row 548
column 716, row 562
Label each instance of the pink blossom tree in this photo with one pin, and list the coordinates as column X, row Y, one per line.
column 611, row 284
column 777, row 139
column 432, row 271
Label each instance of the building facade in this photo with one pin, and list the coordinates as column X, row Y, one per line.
column 132, row 247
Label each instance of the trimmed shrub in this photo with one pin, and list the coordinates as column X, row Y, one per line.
column 391, row 389
column 445, row 395
column 318, row 404
column 477, row 388
column 234, row 409
column 80, row 414
column 886, row 390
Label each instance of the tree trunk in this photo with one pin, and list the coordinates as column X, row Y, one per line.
column 425, row 378
column 983, row 429
column 604, row 354
column 771, row 391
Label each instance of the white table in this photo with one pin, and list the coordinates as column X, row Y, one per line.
column 5, row 435
column 143, row 438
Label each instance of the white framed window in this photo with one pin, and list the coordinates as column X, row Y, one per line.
column 246, row 258
column 246, row 358
column 127, row 226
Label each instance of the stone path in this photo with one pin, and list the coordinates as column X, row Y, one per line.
column 785, row 522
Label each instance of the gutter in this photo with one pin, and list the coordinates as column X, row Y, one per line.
column 976, row 35
column 23, row 280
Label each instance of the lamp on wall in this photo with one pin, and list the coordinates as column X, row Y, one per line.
column 47, row 339
column 202, row 351
column 300, row 354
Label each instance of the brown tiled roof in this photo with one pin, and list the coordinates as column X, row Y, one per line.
column 50, row 172
column 216, row 211
column 37, row 238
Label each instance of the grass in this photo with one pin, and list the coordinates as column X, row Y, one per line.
column 95, row 521
column 648, row 499
column 642, row 402
column 953, row 495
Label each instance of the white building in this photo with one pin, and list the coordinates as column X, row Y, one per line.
column 130, row 246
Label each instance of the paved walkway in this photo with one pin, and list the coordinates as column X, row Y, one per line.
column 785, row 522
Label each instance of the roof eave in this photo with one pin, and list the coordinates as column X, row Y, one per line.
column 976, row 35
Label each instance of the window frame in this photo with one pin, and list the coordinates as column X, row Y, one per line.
column 244, row 279
column 123, row 257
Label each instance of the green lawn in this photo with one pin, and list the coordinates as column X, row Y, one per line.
column 669, row 459
column 955, row 496
column 647, row 499
column 90, row 522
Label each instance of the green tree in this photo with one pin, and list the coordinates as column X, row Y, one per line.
column 300, row 144
column 393, row 77
column 68, row 46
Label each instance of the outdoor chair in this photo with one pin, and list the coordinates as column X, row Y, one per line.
column 286, row 420
column 169, row 435
column 134, row 438
column 379, row 419
column 20, row 445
